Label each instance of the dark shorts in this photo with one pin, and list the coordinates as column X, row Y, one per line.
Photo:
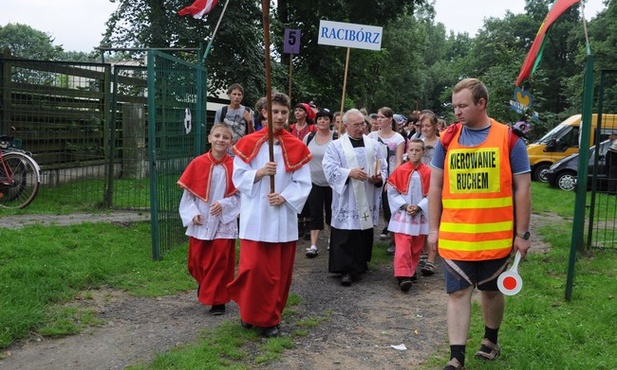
column 483, row 274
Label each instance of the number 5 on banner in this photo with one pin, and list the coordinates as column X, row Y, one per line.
column 291, row 45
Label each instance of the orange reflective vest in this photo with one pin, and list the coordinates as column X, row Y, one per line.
column 477, row 220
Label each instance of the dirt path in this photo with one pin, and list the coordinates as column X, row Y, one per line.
column 366, row 320
column 361, row 322
column 16, row 222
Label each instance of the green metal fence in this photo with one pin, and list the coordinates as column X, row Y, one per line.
column 127, row 182
column 115, row 135
column 59, row 112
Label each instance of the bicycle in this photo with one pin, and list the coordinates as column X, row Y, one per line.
column 20, row 175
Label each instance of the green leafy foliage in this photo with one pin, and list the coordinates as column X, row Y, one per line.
column 236, row 56
column 24, row 41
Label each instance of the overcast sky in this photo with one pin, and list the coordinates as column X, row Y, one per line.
column 78, row 25
column 468, row 15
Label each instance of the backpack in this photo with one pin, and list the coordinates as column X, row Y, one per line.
column 311, row 135
column 448, row 134
column 249, row 128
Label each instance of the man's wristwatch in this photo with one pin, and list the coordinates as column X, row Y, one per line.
column 526, row 235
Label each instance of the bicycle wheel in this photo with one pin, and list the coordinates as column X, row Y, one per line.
column 19, row 180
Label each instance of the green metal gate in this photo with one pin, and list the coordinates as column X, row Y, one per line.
column 602, row 220
column 176, row 95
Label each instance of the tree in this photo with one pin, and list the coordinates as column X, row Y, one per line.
column 402, row 73
column 603, row 38
column 438, row 72
column 497, row 53
column 418, row 63
column 371, row 74
column 237, row 52
column 79, row 56
column 24, row 41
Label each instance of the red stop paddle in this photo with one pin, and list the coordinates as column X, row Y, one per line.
column 510, row 282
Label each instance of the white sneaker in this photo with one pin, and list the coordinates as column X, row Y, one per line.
column 384, row 234
column 311, row 252
column 390, row 250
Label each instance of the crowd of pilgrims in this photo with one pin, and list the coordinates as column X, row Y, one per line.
column 343, row 170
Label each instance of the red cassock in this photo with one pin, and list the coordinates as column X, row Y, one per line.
column 264, row 278
column 212, row 264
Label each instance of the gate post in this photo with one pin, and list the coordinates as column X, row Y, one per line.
column 134, row 138
column 581, row 188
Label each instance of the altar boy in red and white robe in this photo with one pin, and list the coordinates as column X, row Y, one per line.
column 268, row 220
column 209, row 209
column 407, row 191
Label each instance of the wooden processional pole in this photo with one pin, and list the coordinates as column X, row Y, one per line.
column 265, row 5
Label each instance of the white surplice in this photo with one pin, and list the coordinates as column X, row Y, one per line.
column 401, row 222
column 258, row 220
column 346, row 200
column 223, row 226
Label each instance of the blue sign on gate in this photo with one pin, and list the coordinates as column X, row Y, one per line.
column 291, row 43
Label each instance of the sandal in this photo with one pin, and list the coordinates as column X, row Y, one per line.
column 423, row 258
column 428, row 269
column 453, row 364
column 482, row 354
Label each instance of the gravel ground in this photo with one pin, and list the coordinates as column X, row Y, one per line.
column 361, row 323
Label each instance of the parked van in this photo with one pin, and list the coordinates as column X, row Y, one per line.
column 562, row 141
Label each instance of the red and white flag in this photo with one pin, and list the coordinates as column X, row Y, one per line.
column 199, row 8
column 535, row 53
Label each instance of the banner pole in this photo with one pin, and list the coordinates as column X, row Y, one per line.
column 290, row 74
column 340, row 128
column 587, row 44
column 203, row 60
